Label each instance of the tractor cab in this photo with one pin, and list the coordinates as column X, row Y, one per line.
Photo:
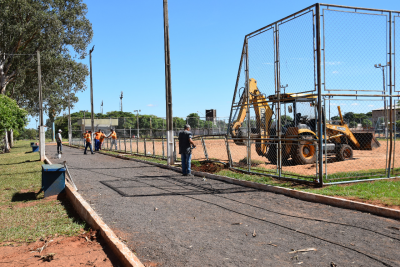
column 299, row 110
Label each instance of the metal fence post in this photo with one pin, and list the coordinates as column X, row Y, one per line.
column 319, row 88
column 154, row 150
column 163, row 153
column 204, row 148
column 145, row 152
column 125, row 144
column 248, row 106
column 137, row 144
column 228, row 151
column 130, row 141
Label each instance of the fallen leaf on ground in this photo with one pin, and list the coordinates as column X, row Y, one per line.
column 236, row 223
column 333, row 264
column 303, row 250
column 272, row 244
column 254, row 233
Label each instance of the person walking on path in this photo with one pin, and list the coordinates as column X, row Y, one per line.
column 88, row 142
column 97, row 140
column 113, row 136
column 185, row 140
column 102, row 136
column 59, row 142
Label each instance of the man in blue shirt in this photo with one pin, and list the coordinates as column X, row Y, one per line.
column 185, row 140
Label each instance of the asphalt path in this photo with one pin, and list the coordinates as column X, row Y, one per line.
column 171, row 220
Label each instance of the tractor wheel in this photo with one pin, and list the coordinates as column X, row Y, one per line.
column 273, row 157
column 305, row 152
column 344, row 152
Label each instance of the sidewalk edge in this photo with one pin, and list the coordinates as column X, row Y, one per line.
column 123, row 253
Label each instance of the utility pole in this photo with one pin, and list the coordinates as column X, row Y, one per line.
column 41, row 127
column 168, row 94
column 69, row 118
column 91, row 91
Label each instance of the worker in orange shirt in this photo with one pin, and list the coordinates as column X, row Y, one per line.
column 113, row 136
column 97, row 140
column 102, row 136
column 88, row 142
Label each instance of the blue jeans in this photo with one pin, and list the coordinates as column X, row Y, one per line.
column 186, row 163
column 88, row 145
column 96, row 145
column 59, row 147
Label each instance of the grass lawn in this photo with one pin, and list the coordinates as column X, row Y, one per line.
column 382, row 192
column 25, row 217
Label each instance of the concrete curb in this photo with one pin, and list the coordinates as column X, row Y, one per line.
column 332, row 201
column 123, row 253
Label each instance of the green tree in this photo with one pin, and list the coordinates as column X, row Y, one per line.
column 28, row 134
column 366, row 123
column 11, row 116
column 61, row 31
column 193, row 120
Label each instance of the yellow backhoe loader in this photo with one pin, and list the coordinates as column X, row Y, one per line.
column 299, row 138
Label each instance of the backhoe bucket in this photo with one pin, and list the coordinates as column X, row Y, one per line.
column 367, row 141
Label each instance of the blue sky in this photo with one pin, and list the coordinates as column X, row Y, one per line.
column 206, row 39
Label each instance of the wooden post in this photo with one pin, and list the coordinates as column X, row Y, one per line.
column 168, row 93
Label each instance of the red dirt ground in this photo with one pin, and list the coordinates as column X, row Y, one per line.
column 216, row 149
column 83, row 250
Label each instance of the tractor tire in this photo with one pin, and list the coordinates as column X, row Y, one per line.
column 305, row 152
column 344, row 152
column 273, row 157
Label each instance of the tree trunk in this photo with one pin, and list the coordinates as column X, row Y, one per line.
column 6, row 145
column 11, row 138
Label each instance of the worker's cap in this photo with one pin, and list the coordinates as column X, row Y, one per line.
column 187, row 126
column 112, row 129
column 59, row 130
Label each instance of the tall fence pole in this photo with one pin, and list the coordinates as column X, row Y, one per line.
column 168, row 94
column 390, row 92
column 319, row 88
column 248, row 106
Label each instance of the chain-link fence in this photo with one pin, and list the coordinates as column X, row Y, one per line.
column 315, row 97
column 315, row 101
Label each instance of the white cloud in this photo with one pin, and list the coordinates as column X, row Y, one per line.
column 335, row 72
column 333, row 104
column 268, row 63
column 355, row 104
column 150, row 105
column 370, row 106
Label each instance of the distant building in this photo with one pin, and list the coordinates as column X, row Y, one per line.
column 379, row 113
column 102, row 124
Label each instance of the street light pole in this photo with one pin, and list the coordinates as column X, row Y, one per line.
column 91, row 91
column 69, row 118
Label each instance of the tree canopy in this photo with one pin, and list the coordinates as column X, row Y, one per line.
column 11, row 116
column 61, row 32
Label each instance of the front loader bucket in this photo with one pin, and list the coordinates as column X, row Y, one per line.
column 367, row 141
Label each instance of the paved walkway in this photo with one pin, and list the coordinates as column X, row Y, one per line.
column 172, row 220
